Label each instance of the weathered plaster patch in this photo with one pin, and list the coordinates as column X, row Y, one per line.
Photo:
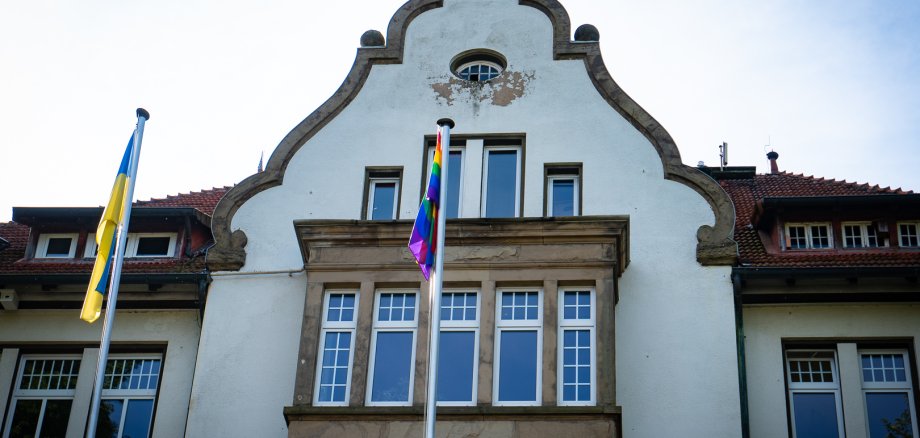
column 501, row 91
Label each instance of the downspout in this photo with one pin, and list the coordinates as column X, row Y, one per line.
column 742, row 368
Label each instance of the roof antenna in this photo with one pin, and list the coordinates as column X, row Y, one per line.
column 723, row 155
column 262, row 155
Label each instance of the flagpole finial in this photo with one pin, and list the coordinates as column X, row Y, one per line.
column 143, row 113
column 446, row 121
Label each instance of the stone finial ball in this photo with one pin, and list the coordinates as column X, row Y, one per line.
column 372, row 38
column 587, row 32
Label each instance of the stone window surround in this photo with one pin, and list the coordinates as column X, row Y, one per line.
column 483, row 254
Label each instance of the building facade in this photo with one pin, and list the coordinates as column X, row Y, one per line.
column 49, row 356
column 587, row 269
column 827, row 292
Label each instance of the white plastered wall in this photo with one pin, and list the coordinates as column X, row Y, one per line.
column 766, row 327
column 675, row 327
column 178, row 330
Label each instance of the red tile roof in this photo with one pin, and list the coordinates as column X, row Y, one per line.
column 746, row 192
column 13, row 261
column 204, row 200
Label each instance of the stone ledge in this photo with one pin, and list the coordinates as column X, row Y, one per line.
column 483, row 412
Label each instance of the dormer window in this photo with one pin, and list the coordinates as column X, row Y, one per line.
column 907, row 232
column 478, row 65
column 808, row 235
column 141, row 245
column 56, row 246
column 860, row 235
column 151, row 245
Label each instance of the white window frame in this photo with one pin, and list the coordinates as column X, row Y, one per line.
column 44, row 239
column 134, row 394
column 485, row 177
column 336, row 327
column 518, row 325
column 134, row 241
column 916, row 234
column 809, row 239
column 889, row 387
column 564, row 324
column 392, row 326
column 37, row 394
column 371, row 195
column 576, row 192
column 131, row 246
column 465, row 326
column 812, row 387
column 864, row 235
column 453, row 149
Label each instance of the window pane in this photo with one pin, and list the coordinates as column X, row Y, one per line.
column 518, row 369
column 392, row 367
column 384, row 205
column 883, row 368
column 334, row 371
column 58, row 246
column 54, row 424
column 152, row 246
column 519, row 306
column 563, row 197
column 137, row 419
column 815, row 415
column 454, row 172
column 576, row 364
column 109, row 418
column 455, row 366
column 25, row 418
column 501, row 187
column 889, row 414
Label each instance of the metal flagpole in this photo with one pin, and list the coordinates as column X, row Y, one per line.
column 142, row 117
column 435, row 285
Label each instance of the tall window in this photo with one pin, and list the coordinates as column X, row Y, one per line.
column 563, row 190
column 393, row 349
column 859, row 235
column 501, row 176
column 907, row 231
column 43, row 396
column 888, row 393
column 814, row 394
column 455, row 170
column 56, row 246
column 333, row 371
column 808, row 236
column 382, row 193
column 128, row 395
column 458, row 357
column 518, row 348
column 577, row 324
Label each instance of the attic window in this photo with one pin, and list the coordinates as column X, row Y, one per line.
column 478, row 65
column 56, row 246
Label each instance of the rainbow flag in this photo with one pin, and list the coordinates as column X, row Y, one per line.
column 423, row 241
column 105, row 241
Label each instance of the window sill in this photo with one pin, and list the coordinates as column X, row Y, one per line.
column 412, row 413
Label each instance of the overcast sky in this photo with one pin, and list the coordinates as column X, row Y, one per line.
column 833, row 86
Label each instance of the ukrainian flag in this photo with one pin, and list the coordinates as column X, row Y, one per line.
column 105, row 240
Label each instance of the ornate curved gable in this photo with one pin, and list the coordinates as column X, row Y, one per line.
column 715, row 245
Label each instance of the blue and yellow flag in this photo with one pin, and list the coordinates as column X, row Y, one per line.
column 105, row 240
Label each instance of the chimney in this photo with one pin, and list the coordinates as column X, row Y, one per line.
column 772, row 156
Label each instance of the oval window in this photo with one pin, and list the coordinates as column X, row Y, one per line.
column 478, row 65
